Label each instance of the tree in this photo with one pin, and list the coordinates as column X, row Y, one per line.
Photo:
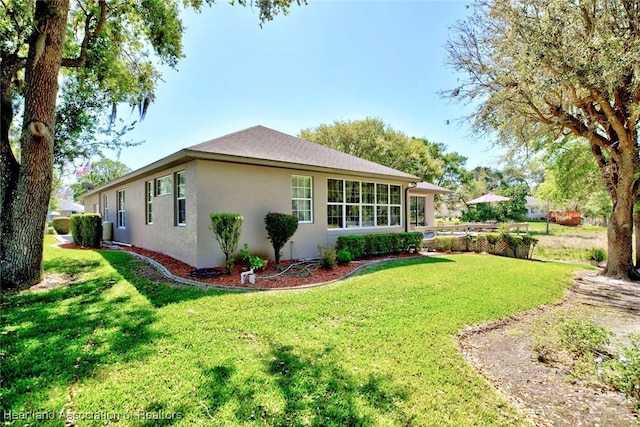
column 102, row 172
column 100, row 50
column 373, row 140
column 572, row 179
column 542, row 69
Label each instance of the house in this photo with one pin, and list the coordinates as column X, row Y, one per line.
column 166, row 205
column 536, row 210
column 66, row 208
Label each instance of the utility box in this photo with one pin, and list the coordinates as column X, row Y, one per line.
column 107, row 231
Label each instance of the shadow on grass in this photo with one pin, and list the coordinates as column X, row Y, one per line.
column 311, row 389
column 392, row 263
column 54, row 339
column 159, row 294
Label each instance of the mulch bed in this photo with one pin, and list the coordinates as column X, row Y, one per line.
column 304, row 274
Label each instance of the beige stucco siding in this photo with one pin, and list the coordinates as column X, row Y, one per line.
column 253, row 191
column 163, row 235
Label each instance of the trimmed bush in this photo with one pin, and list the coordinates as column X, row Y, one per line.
column 344, row 256
column 280, row 228
column 363, row 245
column 86, row 229
column 327, row 256
column 226, row 229
column 76, row 229
column 61, row 224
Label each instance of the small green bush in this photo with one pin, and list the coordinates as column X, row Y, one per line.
column 76, row 229
column 344, row 256
column 226, row 229
column 62, row 224
column 598, row 254
column 280, row 228
column 581, row 337
column 254, row 261
column 86, row 229
column 623, row 372
column 327, row 256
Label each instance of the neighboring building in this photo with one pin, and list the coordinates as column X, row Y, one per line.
column 536, row 210
column 66, row 208
column 166, row 205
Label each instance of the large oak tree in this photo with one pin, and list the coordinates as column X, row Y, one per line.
column 104, row 52
column 543, row 69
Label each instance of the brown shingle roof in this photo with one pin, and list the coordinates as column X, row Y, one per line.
column 259, row 142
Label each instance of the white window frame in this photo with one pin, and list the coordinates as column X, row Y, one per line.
column 162, row 187
column 382, row 213
column 149, row 192
column 121, row 207
column 180, row 197
column 299, row 192
column 105, row 207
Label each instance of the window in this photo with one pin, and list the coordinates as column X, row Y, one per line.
column 149, row 201
column 353, row 204
column 121, row 210
column 335, row 208
column 417, row 213
column 181, row 199
column 105, row 208
column 301, row 198
column 163, row 185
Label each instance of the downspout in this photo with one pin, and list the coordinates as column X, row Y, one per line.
column 407, row 214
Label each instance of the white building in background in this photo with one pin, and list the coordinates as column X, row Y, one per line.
column 536, row 209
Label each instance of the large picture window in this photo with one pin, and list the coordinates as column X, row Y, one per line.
column 302, row 198
column 122, row 218
column 149, row 202
column 353, row 204
column 181, row 199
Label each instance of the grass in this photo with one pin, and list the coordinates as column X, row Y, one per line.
column 567, row 243
column 376, row 349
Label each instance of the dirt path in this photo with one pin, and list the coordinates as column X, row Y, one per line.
column 502, row 353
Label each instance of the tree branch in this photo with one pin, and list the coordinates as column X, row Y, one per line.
column 89, row 35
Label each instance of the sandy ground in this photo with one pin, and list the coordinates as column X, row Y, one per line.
column 502, row 353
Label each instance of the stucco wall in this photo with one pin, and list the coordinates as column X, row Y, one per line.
column 178, row 241
column 253, row 191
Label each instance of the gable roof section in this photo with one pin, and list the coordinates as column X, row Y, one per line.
column 264, row 144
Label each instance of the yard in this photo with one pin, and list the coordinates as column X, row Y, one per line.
column 376, row 349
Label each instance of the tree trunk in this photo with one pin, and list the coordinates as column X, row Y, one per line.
column 26, row 196
column 620, row 231
column 636, row 226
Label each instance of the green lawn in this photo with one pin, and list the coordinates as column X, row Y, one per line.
column 376, row 349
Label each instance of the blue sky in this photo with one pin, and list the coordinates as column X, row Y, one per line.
column 327, row 61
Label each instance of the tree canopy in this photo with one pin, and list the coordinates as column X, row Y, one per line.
column 373, row 140
column 543, row 69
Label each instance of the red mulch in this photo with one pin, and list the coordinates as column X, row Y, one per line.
column 315, row 275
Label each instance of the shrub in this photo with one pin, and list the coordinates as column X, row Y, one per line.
column 226, row 229
column 86, row 229
column 280, row 228
column 597, row 254
column 255, row 262
column 344, row 256
column 623, row 372
column 582, row 338
column 362, row 245
column 76, row 229
column 327, row 256
column 61, row 224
